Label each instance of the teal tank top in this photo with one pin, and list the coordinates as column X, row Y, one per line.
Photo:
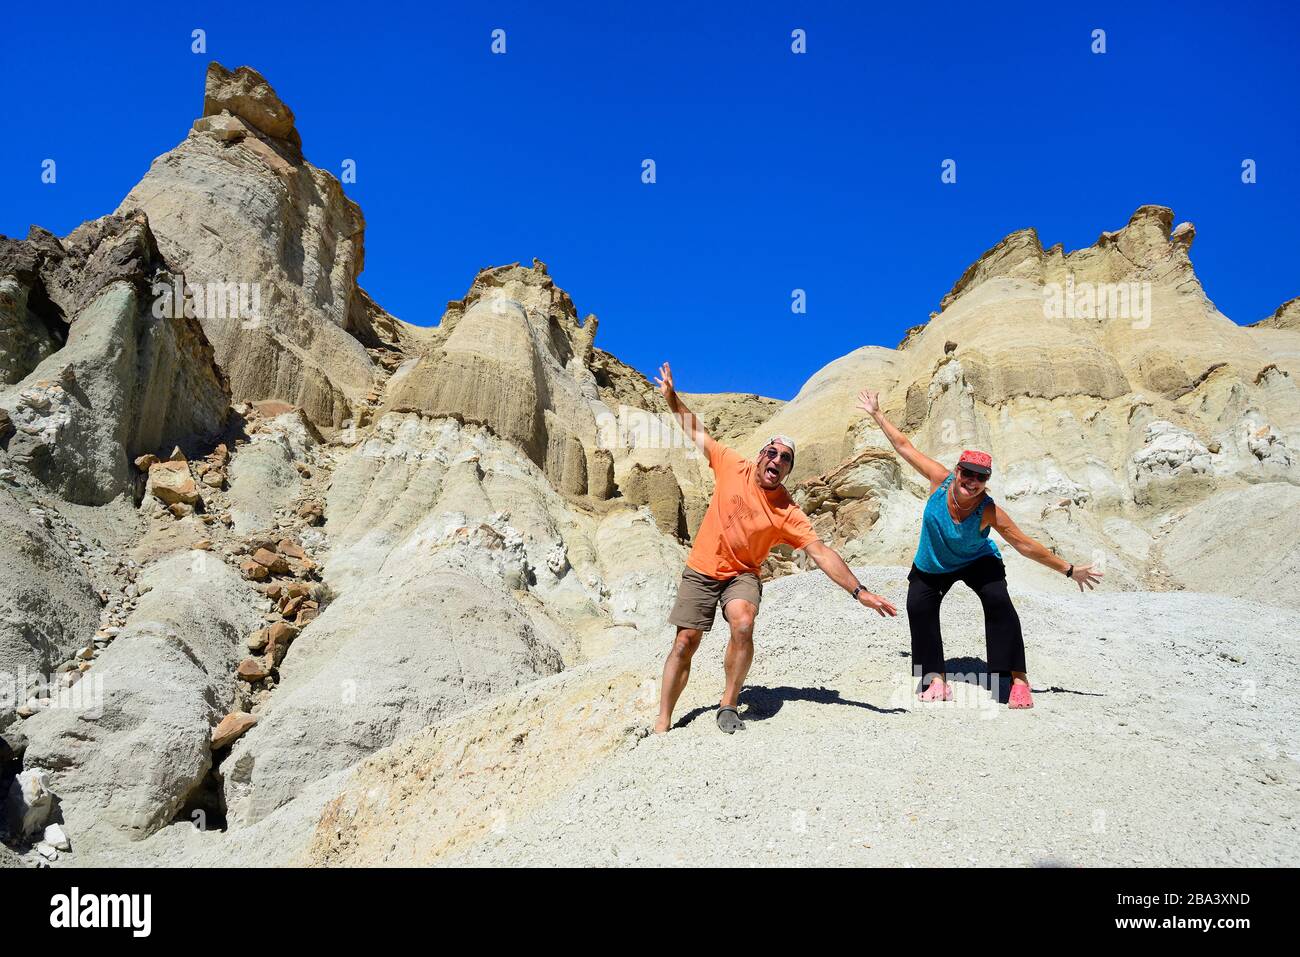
column 946, row 545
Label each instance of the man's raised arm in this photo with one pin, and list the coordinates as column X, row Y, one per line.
column 689, row 421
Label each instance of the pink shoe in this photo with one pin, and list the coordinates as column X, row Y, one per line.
column 1020, row 697
column 938, row 691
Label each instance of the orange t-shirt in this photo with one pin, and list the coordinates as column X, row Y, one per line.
column 744, row 520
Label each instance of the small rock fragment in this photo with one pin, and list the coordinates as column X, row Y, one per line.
column 252, row 669
column 232, row 727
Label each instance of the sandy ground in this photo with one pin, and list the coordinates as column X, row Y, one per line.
column 1163, row 734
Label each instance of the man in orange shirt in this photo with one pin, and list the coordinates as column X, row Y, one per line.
column 749, row 513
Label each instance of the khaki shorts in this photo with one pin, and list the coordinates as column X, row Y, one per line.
column 698, row 597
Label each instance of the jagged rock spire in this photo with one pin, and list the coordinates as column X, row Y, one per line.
column 245, row 93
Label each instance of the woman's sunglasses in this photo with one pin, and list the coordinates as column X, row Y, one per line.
column 973, row 476
column 784, row 457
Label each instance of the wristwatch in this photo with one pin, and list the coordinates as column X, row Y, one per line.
column 856, row 590
column 1069, row 572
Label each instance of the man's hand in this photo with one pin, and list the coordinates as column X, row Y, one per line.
column 665, row 382
column 688, row 420
column 869, row 402
column 877, row 604
column 830, row 562
column 1084, row 575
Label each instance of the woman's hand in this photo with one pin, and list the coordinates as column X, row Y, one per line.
column 869, row 402
column 1084, row 575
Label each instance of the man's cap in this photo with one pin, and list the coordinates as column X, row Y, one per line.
column 784, row 440
column 979, row 462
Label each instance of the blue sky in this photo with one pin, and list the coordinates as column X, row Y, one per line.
column 775, row 171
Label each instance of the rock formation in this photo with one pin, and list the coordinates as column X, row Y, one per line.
column 129, row 743
column 513, row 356
column 273, row 249
column 1115, row 399
column 124, row 377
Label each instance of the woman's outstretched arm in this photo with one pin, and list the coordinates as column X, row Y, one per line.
column 869, row 402
column 1032, row 548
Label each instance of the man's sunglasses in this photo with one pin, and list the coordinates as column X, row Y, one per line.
column 974, row 476
column 785, row 457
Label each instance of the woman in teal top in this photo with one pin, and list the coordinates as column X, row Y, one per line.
column 947, row 545
column 955, row 546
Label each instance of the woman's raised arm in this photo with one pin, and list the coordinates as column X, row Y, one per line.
column 869, row 402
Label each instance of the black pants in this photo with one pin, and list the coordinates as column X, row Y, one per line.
column 987, row 577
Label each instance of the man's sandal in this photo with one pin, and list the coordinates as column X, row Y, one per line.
column 729, row 720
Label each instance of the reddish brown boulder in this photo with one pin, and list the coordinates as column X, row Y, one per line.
column 231, row 728
column 279, row 636
column 291, row 549
column 274, row 563
column 253, row 571
column 252, row 669
column 171, row 482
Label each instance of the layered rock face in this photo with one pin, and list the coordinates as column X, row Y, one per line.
column 48, row 601
column 273, row 246
column 474, row 534
column 512, row 356
column 731, row 416
column 1286, row 317
column 93, row 373
column 126, row 375
column 1115, row 399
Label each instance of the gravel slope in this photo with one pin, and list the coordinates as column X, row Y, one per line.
column 1162, row 735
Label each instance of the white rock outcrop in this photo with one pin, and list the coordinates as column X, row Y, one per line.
column 129, row 743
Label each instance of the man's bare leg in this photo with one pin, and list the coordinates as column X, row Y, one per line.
column 677, row 670
column 740, row 649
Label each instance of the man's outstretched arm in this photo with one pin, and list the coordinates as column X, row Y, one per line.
column 829, row 561
column 690, row 422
